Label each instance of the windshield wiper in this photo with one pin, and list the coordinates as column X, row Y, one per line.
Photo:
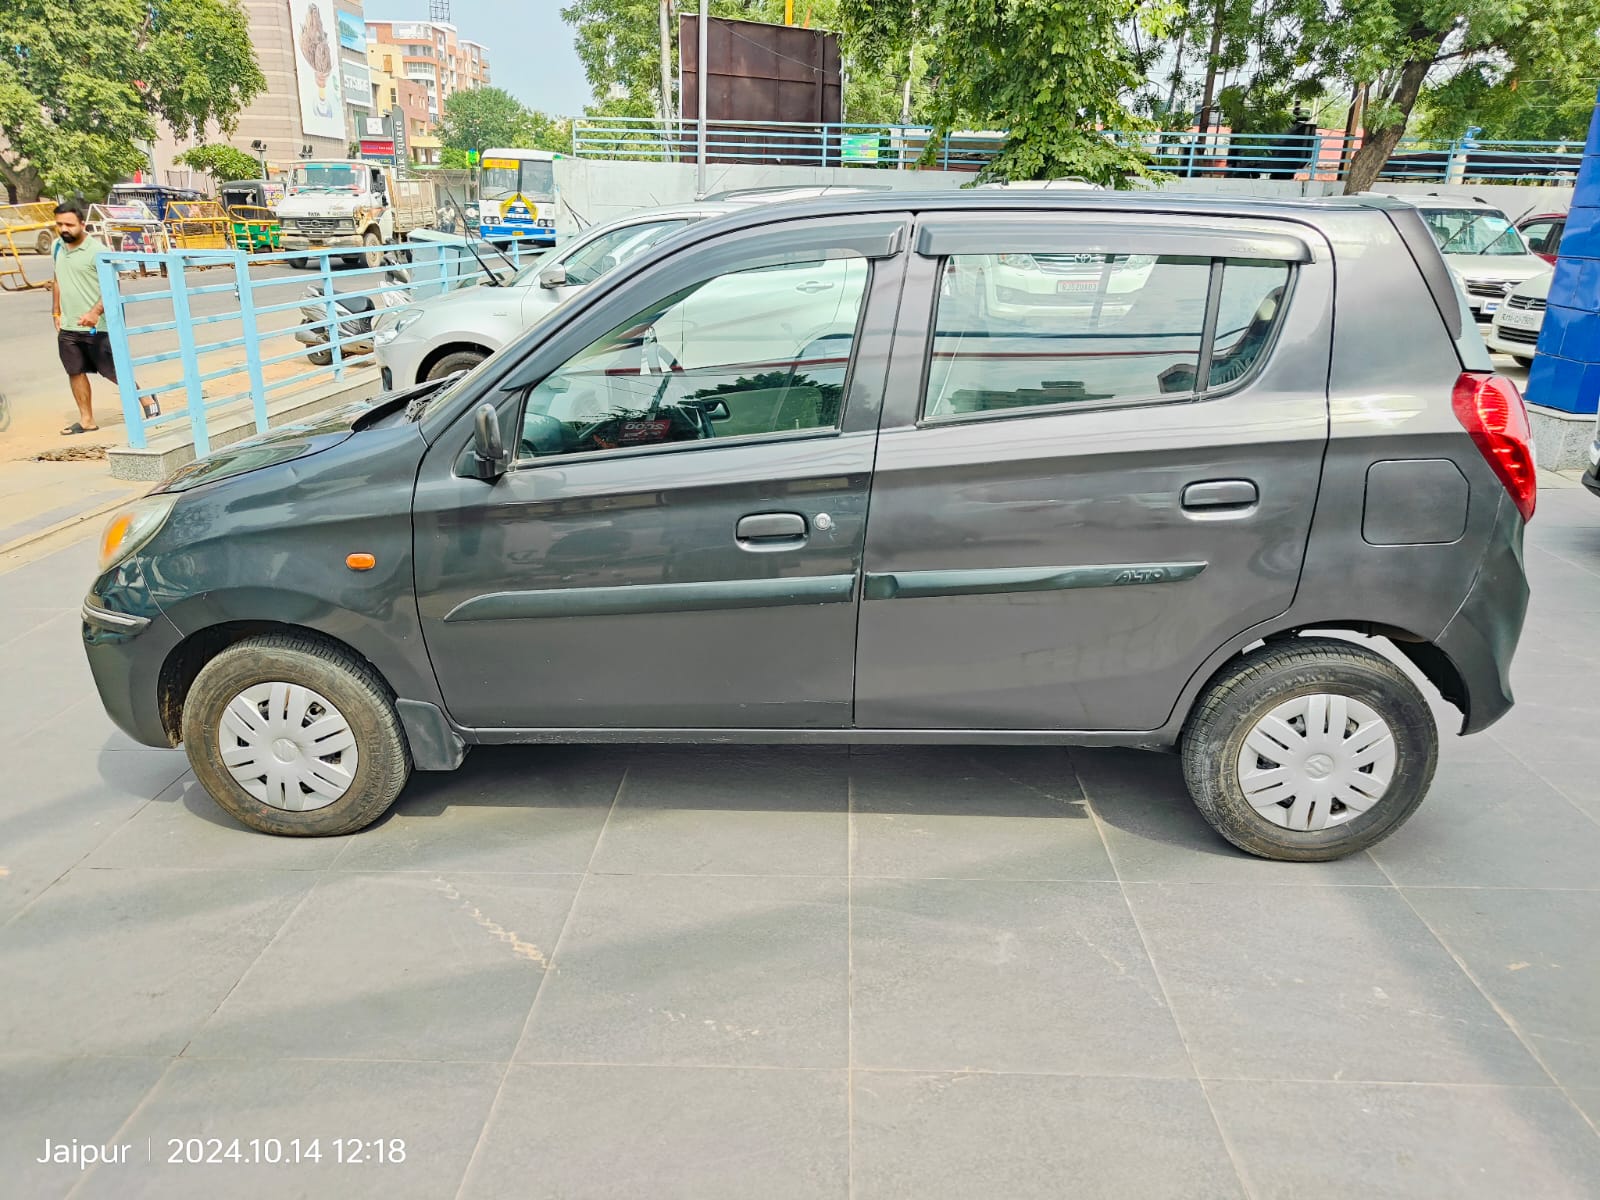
column 418, row 405
column 1445, row 249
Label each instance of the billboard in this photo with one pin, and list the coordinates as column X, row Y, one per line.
column 357, row 84
column 316, row 63
column 412, row 33
column 352, row 32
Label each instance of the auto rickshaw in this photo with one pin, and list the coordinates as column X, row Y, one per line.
column 250, row 204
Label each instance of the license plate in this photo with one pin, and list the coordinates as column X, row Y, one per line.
column 1512, row 319
column 1075, row 285
column 1491, row 306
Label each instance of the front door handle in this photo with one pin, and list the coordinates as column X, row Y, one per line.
column 1216, row 494
column 812, row 286
column 771, row 529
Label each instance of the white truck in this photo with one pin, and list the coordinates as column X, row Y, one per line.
column 348, row 202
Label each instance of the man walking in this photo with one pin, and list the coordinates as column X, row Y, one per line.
column 81, row 337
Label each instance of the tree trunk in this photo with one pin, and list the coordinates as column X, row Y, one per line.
column 1203, row 119
column 24, row 180
column 666, row 62
column 1378, row 144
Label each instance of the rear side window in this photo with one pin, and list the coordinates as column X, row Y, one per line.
column 1023, row 331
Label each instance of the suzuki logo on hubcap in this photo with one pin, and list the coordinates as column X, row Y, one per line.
column 1319, row 766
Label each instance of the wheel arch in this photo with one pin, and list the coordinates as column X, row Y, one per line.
column 432, row 358
column 188, row 658
column 1435, row 665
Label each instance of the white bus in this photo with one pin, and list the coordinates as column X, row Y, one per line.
column 517, row 196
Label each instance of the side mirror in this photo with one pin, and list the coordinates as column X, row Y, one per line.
column 553, row 276
column 489, row 449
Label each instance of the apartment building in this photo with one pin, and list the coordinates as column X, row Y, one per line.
column 432, row 54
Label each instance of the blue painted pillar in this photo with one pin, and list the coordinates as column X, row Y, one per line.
column 1566, row 373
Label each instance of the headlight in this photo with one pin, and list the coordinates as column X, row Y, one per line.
column 131, row 527
column 391, row 324
column 1022, row 262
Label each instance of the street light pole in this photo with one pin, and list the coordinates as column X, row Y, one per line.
column 704, row 79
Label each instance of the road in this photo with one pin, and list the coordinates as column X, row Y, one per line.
column 801, row 972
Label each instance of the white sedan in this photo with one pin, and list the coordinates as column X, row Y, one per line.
column 1517, row 322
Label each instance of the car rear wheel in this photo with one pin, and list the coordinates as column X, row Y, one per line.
column 1522, row 360
column 456, row 360
column 44, row 240
column 1309, row 749
column 292, row 735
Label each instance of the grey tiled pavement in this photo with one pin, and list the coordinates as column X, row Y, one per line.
column 803, row 972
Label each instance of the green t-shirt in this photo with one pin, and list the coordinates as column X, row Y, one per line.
column 79, row 284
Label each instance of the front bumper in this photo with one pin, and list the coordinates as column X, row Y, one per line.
column 320, row 241
column 126, row 652
column 1591, row 477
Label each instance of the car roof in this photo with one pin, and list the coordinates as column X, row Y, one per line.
column 1450, row 202
column 1004, row 200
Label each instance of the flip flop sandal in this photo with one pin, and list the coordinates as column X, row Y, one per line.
column 75, row 428
column 152, row 408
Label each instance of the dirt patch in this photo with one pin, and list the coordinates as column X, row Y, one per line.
column 71, row 454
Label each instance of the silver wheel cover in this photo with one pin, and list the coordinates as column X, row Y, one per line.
column 287, row 746
column 1316, row 761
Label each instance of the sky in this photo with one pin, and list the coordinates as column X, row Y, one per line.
column 530, row 46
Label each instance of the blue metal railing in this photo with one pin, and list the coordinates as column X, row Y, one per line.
column 260, row 314
column 1185, row 153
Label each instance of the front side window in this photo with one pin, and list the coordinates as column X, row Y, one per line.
column 1544, row 237
column 593, row 259
column 750, row 353
column 1021, row 331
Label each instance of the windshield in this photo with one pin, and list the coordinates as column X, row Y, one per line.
column 503, row 177
column 1473, row 231
column 326, row 177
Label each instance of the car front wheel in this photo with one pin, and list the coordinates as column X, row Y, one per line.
column 293, row 735
column 450, row 364
column 1309, row 749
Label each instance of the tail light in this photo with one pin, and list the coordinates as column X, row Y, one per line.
column 1490, row 409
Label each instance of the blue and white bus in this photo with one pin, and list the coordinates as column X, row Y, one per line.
column 517, row 196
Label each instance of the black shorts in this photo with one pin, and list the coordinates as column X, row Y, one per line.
column 85, row 351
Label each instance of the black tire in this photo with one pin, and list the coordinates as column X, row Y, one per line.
column 298, row 264
column 1522, row 360
column 1249, row 688
column 44, row 241
column 348, row 683
column 456, row 360
column 375, row 253
column 320, row 358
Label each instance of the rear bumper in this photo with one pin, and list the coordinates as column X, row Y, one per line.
column 1481, row 638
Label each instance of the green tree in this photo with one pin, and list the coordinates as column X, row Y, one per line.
column 84, row 82
column 479, row 118
column 221, row 162
column 1054, row 74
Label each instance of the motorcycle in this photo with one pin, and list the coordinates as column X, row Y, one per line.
column 356, row 314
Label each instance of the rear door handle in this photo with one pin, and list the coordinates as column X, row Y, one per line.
column 771, row 529
column 1216, row 494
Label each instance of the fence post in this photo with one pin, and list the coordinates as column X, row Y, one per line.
column 333, row 316
column 117, row 330
column 194, row 396
column 252, row 337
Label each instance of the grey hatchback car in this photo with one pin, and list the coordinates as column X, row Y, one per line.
column 791, row 477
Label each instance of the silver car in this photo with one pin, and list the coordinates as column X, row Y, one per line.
column 1483, row 248
column 458, row 330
